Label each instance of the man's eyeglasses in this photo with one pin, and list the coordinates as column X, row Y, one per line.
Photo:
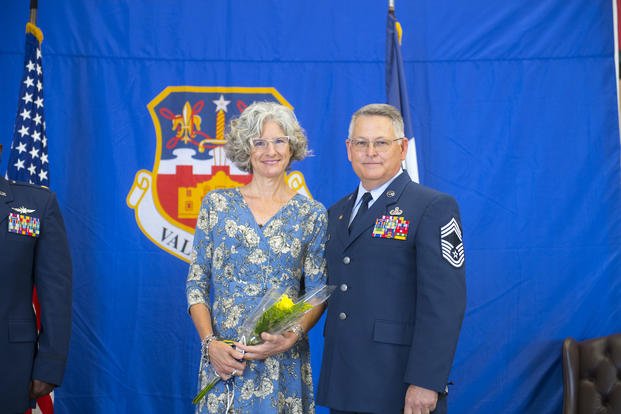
column 380, row 144
column 261, row 144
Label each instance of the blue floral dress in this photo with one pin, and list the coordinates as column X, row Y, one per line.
column 235, row 262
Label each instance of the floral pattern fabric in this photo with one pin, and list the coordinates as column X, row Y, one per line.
column 235, row 262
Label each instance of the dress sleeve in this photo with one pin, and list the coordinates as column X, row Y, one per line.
column 197, row 284
column 315, row 274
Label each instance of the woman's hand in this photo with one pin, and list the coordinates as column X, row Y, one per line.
column 272, row 345
column 225, row 359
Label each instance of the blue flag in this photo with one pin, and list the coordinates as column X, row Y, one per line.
column 28, row 160
column 396, row 88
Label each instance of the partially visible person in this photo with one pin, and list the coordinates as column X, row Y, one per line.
column 395, row 252
column 33, row 253
column 247, row 240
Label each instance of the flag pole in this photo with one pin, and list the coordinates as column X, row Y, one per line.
column 33, row 11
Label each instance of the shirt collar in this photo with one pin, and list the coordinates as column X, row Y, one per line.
column 376, row 193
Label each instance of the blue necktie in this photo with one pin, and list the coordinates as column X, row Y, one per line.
column 364, row 206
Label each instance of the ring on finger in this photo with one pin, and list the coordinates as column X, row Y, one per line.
column 234, row 372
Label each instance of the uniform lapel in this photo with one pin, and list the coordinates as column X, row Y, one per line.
column 6, row 196
column 379, row 208
column 343, row 214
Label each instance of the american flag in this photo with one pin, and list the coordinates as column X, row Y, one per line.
column 28, row 158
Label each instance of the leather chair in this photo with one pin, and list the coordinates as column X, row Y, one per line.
column 592, row 375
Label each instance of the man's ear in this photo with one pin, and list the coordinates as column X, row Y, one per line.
column 404, row 147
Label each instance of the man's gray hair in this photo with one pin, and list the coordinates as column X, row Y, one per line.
column 248, row 126
column 384, row 110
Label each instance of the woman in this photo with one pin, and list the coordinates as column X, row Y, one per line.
column 247, row 240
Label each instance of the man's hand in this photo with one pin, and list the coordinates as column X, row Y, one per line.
column 420, row 400
column 39, row 389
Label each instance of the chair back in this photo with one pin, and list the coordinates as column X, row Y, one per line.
column 592, row 375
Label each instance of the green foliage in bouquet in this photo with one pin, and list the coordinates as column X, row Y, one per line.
column 279, row 315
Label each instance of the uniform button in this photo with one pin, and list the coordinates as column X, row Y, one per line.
column 343, row 287
column 329, row 236
column 342, row 316
column 346, row 260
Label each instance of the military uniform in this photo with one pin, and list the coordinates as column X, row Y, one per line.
column 395, row 317
column 33, row 252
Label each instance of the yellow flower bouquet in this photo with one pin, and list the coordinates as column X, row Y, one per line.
column 276, row 313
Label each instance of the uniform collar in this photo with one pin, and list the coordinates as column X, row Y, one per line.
column 375, row 193
column 6, row 196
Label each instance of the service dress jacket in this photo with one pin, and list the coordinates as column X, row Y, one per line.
column 395, row 316
column 33, row 252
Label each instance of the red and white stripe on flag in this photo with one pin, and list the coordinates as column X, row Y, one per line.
column 45, row 405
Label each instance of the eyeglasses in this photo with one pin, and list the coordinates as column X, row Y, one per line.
column 380, row 144
column 261, row 144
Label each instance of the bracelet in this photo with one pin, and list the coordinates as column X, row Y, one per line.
column 205, row 347
column 298, row 330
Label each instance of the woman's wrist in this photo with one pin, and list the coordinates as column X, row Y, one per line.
column 298, row 330
column 205, row 346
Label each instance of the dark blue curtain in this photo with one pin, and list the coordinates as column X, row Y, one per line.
column 514, row 110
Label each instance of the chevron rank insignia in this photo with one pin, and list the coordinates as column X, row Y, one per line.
column 451, row 243
column 25, row 225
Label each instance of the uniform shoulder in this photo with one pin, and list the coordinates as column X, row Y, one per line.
column 29, row 196
column 22, row 186
column 342, row 201
column 427, row 193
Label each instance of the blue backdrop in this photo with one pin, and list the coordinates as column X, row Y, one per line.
column 515, row 114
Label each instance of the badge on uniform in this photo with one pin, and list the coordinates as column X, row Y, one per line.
column 451, row 243
column 391, row 227
column 23, row 224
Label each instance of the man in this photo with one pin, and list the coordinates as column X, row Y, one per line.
column 33, row 252
column 393, row 322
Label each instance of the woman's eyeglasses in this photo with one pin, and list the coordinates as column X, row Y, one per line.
column 262, row 144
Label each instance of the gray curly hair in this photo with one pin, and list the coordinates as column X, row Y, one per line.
column 249, row 124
